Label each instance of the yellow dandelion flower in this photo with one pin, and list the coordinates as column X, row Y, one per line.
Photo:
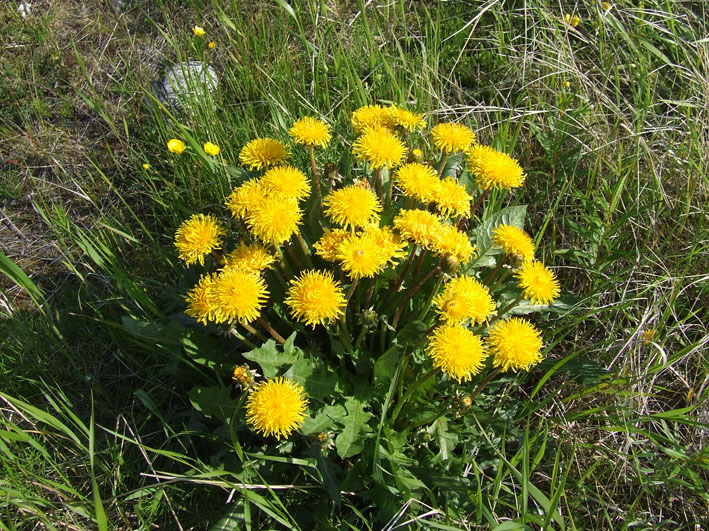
column 198, row 31
column 252, row 258
column 452, row 137
column 372, row 116
column 390, row 245
column 315, row 298
column 494, row 169
column 416, row 155
column 418, row 181
column 326, row 246
column 538, row 283
column 212, row 45
column 452, row 199
column 310, row 131
column 263, row 152
column 238, row 295
column 200, row 300
column 408, row 120
column 514, row 241
column 274, row 220
column 242, row 199
column 197, row 237
column 175, row 145
column 418, row 226
column 244, row 377
column 352, row 206
column 450, row 241
column 146, row 166
column 211, row 149
column 286, row 182
column 515, row 343
column 276, row 407
column 457, row 351
column 379, row 147
column 360, row 257
column 464, row 298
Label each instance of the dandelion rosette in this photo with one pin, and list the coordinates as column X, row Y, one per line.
column 263, row 152
column 494, row 169
column 514, row 241
column 379, row 147
column 276, row 407
column 418, row 181
column 538, row 283
column 352, row 206
column 286, row 182
column 457, row 352
column 238, row 295
column 464, row 298
column 315, row 298
column 451, row 137
column 274, row 220
column 310, row 131
column 197, row 237
column 515, row 343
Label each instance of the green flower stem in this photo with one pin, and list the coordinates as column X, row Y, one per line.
column 382, row 337
column 482, row 384
column 306, row 252
column 419, row 262
column 316, row 179
column 370, row 292
column 390, row 191
column 492, row 274
column 430, row 420
column 275, row 335
column 279, row 277
column 351, row 290
column 360, row 337
column 293, row 256
column 477, row 202
column 426, row 309
column 377, row 178
column 345, row 338
column 413, row 291
column 412, row 389
column 504, row 310
column 234, row 332
column 407, row 266
column 500, row 280
column 282, row 263
column 443, row 164
column 253, row 331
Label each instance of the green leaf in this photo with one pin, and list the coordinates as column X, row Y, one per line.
column 482, row 235
column 214, row 402
column 20, row 278
column 350, row 441
column 325, row 420
column 385, row 366
column 317, row 379
column 270, row 359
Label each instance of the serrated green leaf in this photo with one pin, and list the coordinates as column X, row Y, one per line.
column 482, row 235
column 326, row 419
column 270, row 359
column 350, row 441
column 385, row 366
column 213, row 402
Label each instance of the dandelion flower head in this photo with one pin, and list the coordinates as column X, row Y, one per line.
column 315, row 298
column 326, row 247
column 494, row 169
column 276, row 407
column 197, row 237
column 457, row 351
column 263, row 152
column 252, row 258
column 538, row 283
column 274, row 220
column 418, row 181
column 211, row 149
column 418, row 226
column 452, row 137
column 452, row 199
column 198, row 31
column 514, row 241
column 352, row 206
column 243, row 198
column 212, row 45
column 372, row 116
column 238, row 295
column 391, row 246
column 360, row 256
column 408, row 120
column 380, row 147
column 286, row 182
column 464, row 298
column 515, row 343
column 175, row 145
column 310, row 131
column 200, row 300
column 450, row 241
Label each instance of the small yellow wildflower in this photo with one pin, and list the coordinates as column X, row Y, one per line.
column 464, row 298
column 514, row 241
column 238, row 295
column 606, row 5
column 515, row 343
column 200, row 300
column 310, row 132
column 276, row 407
column 274, row 220
column 567, row 84
column 211, row 149
column 452, row 199
column 494, row 169
column 452, row 137
column 212, row 45
column 286, row 182
column 263, row 152
column 390, row 245
column 315, row 298
column 457, row 351
column 197, row 237
column 648, row 336
column 175, row 145
column 408, row 120
column 326, row 246
column 572, row 21
column 538, row 283
column 451, row 241
column 379, row 147
column 253, row 258
column 418, row 181
column 244, row 377
column 360, row 256
column 372, row 116
column 242, row 199
column 352, row 206
column 198, row 31
column 418, row 226
column 146, row 166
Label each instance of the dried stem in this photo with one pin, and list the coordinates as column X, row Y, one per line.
column 275, row 335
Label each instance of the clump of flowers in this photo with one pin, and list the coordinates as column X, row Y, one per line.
column 390, row 261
